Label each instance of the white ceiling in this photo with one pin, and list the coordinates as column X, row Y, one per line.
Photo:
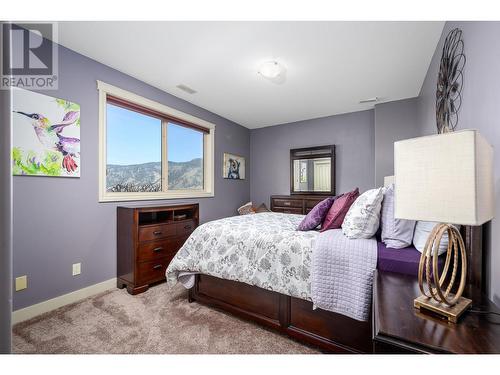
column 331, row 66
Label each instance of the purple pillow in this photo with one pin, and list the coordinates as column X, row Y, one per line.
column 316, row 215
column 336, row 214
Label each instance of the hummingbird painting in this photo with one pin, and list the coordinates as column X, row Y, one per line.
column 51, row 138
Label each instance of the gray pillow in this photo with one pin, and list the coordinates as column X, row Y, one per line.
column 396, row 233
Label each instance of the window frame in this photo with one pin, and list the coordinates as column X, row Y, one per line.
column 166, row 114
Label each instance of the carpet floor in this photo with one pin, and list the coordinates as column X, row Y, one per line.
column 158, row 321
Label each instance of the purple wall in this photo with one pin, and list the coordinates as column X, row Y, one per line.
column 480, row 110
column 352, row 134
column 58, row 221
column 394, row 121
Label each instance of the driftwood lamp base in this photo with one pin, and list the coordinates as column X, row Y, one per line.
column 451, row 313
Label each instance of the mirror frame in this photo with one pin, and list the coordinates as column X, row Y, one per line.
column 329, row 154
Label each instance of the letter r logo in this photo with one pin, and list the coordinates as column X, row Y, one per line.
column 31, row 49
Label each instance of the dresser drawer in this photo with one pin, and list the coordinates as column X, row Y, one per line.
column 287, row 202
column 153, row 270
column 185, row 228
column 157, row 249
column 287, row 210
column 155, row 232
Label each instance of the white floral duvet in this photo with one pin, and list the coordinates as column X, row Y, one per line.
column 263, row 249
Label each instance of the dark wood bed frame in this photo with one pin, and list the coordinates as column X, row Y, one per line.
column 295, row 317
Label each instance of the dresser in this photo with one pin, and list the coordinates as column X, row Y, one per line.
column 147, row 240
column 295, row 204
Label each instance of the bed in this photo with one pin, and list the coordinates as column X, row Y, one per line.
column 259, row 267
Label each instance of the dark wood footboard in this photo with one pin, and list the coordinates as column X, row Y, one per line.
column 292, row 316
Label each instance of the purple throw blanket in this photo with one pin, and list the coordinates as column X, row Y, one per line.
column 342, row 274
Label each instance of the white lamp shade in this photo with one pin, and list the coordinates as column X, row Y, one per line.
column 444, row 178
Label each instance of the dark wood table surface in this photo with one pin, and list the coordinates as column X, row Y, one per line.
column 399, row 327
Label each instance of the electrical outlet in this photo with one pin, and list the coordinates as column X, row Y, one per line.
column 77, row 269
column 21, row 283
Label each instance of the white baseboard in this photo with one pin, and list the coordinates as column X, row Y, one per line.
column 34, row 310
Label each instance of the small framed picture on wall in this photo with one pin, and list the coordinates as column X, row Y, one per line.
column 233, row 167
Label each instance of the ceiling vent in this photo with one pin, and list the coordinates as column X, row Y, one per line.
column 369, row 100
column 187, row 89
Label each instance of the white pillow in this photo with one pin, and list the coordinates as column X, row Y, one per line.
column 422, row 231
column 363, row 218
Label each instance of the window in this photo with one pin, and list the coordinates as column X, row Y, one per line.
column 150, row 151
column 185, row 158
column 133, row 155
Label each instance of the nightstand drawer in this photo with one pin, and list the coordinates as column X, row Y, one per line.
column 297, row 203
column 153, row 270
column 157, row 249
column 155, row 232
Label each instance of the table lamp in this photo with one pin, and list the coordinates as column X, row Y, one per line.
column 448, row 179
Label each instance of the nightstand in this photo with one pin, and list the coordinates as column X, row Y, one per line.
column 400, row 328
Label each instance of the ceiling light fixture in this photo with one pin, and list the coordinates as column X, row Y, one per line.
column 271, row 69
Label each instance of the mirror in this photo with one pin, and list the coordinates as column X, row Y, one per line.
column 312, row 175
column 313, row 170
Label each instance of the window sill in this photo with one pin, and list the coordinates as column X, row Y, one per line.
column 123, row 197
